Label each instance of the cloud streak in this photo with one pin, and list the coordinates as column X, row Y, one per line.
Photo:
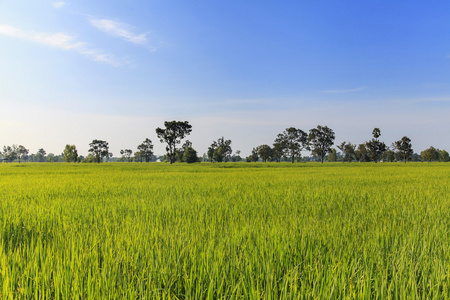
column 60, row 41
column 59, row 4
column 120, row 30
column 344, row 91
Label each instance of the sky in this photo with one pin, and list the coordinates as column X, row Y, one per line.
column 74, row 71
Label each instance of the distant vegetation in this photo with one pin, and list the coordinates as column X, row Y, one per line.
column 287, row 146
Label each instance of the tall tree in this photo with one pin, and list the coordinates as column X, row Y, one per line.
column 293, row 141
column 348, row 151
column 430, row 154
column 172, row 135
column 211, row 150
column 332, row 156
column 40, row 155
column 388, row 155
column 321, row 139
column 236, row 156
column 10, row 153
column 226, row 148
column 220, row 150
column 265, row 152
column 404, row 148
column 22, row 153
column 190, row 155
column 218, row 154
column 444, row 156
column 146, row 150
column 99, row 150
column 70, row 153
column 277, row 151
column 254, row 156
column 180, row 152
column 126, row 154
column 375, row 148
column 361, row 153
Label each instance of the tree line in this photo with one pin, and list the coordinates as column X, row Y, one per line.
column 287, row 146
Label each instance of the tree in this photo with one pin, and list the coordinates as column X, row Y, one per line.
column 99, row 150
column 375, row 148
column 254, row 156
column 190, row 155
column 172, row 135
column 348, row 151
column 40, row 155
column 180, row 152
column 444, row 156
column 145, row 150
column 236, row 156
column 10, row 153
column 321, row 139
column 226, row 148
column 22, row 153
column 265, row 152
column 211, row 150
column 220, row 151
column 70, row 153
column 389, row 155
column 430, row 154
column 332, row 155
column 361, row 153
column 292, row 141
column 218, row 154
column 404, row 148
column 126, row 154
column 277, row 151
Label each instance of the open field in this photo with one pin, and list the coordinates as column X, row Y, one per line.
column 210, row 231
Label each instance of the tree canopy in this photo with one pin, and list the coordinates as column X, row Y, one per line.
column 173, row 133
column 321, row 139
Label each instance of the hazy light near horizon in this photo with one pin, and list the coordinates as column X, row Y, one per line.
column 74, row 71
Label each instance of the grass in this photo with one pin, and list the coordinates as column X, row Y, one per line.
column 231, row 231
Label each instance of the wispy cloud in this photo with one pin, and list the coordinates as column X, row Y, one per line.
column 59, row 4
column 121, row 30
column 343, row 91
column 61, row 41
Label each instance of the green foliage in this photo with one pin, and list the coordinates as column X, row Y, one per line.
column 375, row 148
column 70, row 153
column 190, row 155
column 444, row 156
column 332, row 156
column 291, row 142
column 404, row 148
column 220, row 151
column 348, row 151
column 430, row 154
column 145, row 150
column 265, row 152
column 99, row 150
column 254, row 156
column 224, row 231
column 321, row 139
column 173, row 133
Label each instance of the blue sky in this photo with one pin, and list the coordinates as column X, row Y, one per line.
column 74, row 71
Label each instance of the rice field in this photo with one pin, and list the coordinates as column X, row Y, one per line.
column 225, row 231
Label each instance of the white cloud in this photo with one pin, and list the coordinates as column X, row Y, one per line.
column 60, row 41
column 121, row 30
column 343, row 91
column 58, row 4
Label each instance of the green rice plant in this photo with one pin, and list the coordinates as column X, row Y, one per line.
column 225, row 231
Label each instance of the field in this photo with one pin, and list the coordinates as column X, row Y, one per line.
column 232, row 231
